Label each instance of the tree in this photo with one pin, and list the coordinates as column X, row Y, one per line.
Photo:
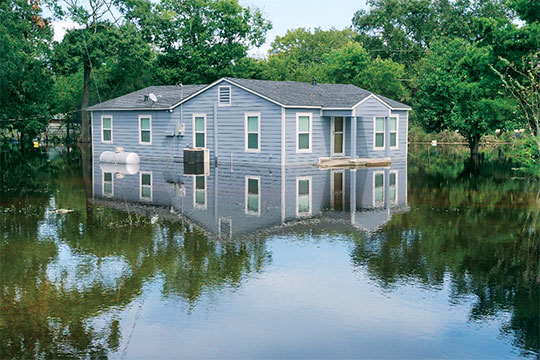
column 199, row 40
column 458, row 92
column 25, row 79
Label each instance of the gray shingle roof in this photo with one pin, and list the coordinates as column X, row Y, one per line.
column 167, row 96
column 288, row 93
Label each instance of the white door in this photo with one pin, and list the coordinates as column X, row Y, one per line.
column 338, row 136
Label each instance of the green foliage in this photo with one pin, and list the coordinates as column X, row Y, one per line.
column 457, row 92
column 527, row 155
column 25, row 77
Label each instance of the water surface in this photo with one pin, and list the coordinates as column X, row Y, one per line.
column 440, row 259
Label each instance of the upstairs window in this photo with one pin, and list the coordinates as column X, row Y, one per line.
column 303, row 132
column 146, row 186
column 199, row 133
column 224, row 96
column 106, row 129
column 145, row 129
column 394, row 132
column 379, row 133
column 253, row 132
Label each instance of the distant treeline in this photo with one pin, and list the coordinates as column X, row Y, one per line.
column 469, row 66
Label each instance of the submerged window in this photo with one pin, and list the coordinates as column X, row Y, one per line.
column 393, row 132
column 224, row 96
column 392, row 187
column 378, row 188
column 379, row 132
column 253, row 195
column 108, row 184
column 200, row 191
column 145, row 129
column 146, row 186
column 253, row 132
column 303, row 196
column 106, row 129
column 199, row 126
column 303, row 132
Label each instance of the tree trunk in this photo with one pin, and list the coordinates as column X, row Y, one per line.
column 474, row 144
column 85, row 120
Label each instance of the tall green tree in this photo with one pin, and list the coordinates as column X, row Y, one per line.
column 25, row 78
column 459, row 92
column 199, row 40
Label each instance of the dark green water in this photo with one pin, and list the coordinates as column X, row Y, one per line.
column 454, row 272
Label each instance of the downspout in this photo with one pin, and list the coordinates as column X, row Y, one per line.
column 215, row 132
column 283, row 134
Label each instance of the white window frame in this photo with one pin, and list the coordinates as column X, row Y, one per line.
column 140, row 130
column 103, row 183
column 102, row 129
column 375, row 132
column 310, row 179
column 246, row 132
column 395, row 201
column 246, row 210
column 309, row 150
column 219, row 95
column 332, row 134
column 141, row 173
column 375, row 173
column 332, row 184
column 196, row 132
column 195, row 205
column 397, row 131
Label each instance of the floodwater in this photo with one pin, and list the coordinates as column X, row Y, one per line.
column 434, row 257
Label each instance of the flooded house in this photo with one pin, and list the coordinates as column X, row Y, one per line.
column 271, row 123
column 273, row 152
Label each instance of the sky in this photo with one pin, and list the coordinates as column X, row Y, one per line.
column 284, row 15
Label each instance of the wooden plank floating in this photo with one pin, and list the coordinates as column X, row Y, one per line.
column 347, row 163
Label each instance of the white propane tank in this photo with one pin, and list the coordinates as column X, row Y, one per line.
column 119, row 157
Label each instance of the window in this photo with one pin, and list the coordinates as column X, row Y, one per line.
column 225, row 227
column 145, row 129
column 146, row 186
column 303, row 132
column 379, row 132
column 303, row 196
column 253, row 132
column 392, row 187
column 378, row 188
column 108, row 184
column 224, row 96
column 393, row 132
column 106, row 129
column 337, row 186
column 199, row 127
column 253, row 195
column 199, row 198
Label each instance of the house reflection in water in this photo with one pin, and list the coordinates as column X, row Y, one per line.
column 234, row 200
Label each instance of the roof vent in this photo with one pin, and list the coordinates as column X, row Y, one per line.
column 145, row 98
column 314, row 82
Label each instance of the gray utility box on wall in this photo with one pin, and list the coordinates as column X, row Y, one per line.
column 196, row 161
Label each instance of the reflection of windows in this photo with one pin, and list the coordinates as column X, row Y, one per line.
column 378, row 188
column 145, row 129
column 393, row 132
column 253, row 132
column 225, row 227
column 303, row 196
column 146, row 186
column 303, row 132
column 200, row 191
column 108, row 184
column 337, row 184
column 379, row 133
column 392, row 187
column 106, row 129
column 253, row 195
column 199, row 127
